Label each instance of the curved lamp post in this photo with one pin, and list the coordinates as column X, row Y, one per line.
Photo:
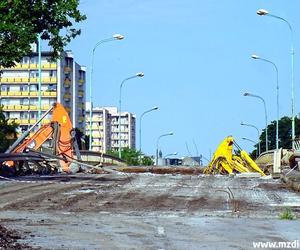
column 266, row 115
column 246, row 139
column 114, row 38
column 277, row 95
column 157, row 142
column 252, row 126
column 140, row 74
column 262, row 12
column 140, row 130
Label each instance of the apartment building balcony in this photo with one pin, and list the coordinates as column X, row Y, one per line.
column 115, row 138
column 51, row 66
column 24, row 66
column 81, row 119
column 122, row 138
column 80, row 105
column 67, row 69
column 49, row 93
column 21, row 121
column 44, row 79
column 45, row 66
column 81, row 82
column 96, row 119
column 123, row 145
column 24, row 107
column 13, row 80
column 114, row 130
column 97, row 135
column 94, row 127
column 27, row 93
column 18, row 66
column 80, row 93
column 97, row 144
column 46, row 107
column 67, row 83
column 67, row 97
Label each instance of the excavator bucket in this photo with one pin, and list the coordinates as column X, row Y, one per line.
column 225, row 162
column 251, row 163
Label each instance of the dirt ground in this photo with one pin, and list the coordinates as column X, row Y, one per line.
column 147, row 211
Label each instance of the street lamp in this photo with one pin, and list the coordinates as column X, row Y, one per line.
column 167, row 134
column 250, row 125
column 40, row 77
column 139, row 74
column 277, row 95
column 263, row 12
column 113, row 38
column 266, row 115
column 140, row 130
column 246, row 139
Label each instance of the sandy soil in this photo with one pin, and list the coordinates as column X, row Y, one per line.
column 146, row 211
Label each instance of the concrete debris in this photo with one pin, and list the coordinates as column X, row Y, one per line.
column 249, row 175
column 84, row 211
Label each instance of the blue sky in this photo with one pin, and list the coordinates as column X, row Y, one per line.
column 196, row 56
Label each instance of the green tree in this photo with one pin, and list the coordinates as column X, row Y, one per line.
column 132, row 157
column 21, row 22
column 146, row 161
column 7, row 132
column 285, row 134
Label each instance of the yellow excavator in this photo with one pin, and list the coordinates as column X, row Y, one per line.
column 225, row 162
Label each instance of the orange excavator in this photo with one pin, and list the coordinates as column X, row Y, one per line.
column 52, row 141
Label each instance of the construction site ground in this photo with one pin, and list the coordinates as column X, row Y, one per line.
column 147, row 211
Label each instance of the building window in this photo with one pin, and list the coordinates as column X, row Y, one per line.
column 33, row 87
column 4, row 88
column 68, row 62
column 52, row 87
column 24, row 115
column 25, row 60
column 24, row 87
column 24, row 101
column 34, row 73
column 52, row 73
column 33, row 60
column 33, row 115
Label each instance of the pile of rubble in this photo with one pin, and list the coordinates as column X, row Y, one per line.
column 9, row 239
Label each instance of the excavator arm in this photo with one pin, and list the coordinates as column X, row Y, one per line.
column 58, row 132
column 225, row 162
column 37, row 139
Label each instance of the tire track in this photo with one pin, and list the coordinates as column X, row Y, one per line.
column 35, row 199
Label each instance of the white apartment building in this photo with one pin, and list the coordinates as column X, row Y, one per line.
column 63, row 81
column 105, row 129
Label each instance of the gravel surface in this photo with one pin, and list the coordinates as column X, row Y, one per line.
column 147, row 211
